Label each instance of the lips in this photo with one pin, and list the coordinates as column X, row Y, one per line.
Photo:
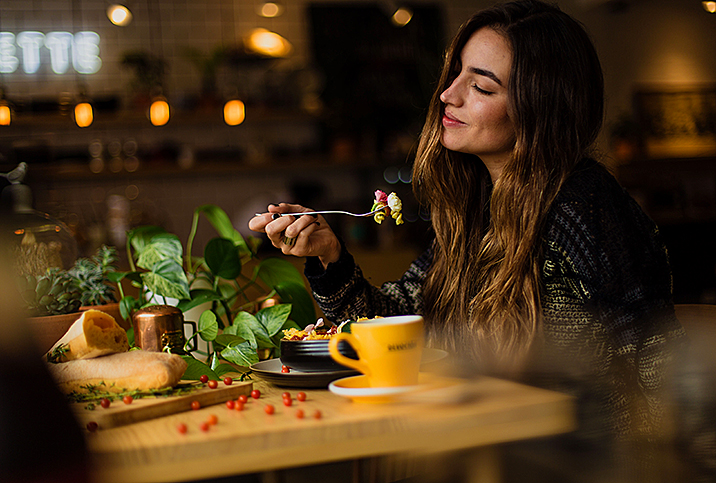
column 451, row 121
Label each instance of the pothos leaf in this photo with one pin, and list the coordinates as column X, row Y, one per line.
column 302, row 308
column 273, row 318
column 167, row 279
column 241, row 354
column 208, row 326
column 223, row 259
column 161, row 247
column 195, row 369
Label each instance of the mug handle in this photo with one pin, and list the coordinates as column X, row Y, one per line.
column 192, row 347
column 340, row 358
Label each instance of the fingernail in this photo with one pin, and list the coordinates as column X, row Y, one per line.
column 317, row 223
column 276, row 216
column 273, row 204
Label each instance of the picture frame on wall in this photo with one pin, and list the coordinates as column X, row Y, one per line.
column 677, row 121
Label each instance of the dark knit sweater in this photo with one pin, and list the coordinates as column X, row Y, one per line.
column 606, row 299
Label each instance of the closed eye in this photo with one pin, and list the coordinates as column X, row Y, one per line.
column 482, row 91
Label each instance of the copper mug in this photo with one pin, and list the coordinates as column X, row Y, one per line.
column 160, row 327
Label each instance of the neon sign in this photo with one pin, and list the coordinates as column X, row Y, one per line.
column 81, row 50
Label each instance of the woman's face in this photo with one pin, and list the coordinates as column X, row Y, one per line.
column 475, row 118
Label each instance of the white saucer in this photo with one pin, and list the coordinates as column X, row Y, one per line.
column 357, row 388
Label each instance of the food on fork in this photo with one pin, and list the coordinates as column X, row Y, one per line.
column 390, row 205
column 94, row 334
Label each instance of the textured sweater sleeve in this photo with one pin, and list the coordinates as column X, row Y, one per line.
column 343, row 293
column 607, row 298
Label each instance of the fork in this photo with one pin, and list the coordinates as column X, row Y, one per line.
column 328, row 212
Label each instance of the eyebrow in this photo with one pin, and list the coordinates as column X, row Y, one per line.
column 486, row 73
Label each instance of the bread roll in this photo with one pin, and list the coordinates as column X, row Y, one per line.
column 94, row 334
column 125, row 371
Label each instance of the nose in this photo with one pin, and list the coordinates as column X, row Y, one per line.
column 449, row 95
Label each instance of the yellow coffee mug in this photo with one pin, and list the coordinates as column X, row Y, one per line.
column 389, row 349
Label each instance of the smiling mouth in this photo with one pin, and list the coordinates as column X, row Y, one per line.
column 449, row 121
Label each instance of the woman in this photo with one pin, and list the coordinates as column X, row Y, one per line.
column 539, row 256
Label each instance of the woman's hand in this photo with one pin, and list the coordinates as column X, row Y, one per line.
column 302, row 236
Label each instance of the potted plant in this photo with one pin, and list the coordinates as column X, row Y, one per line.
column 229, row 279
column 55, row 299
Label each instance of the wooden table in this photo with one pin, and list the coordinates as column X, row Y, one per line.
column 252, row 441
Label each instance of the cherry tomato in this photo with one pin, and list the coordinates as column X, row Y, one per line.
column 287, row 401
column 181, row 427
column 228, row 381
column 239, row 406
column 195, row 405
column 286, row 395
column 255, row 394
column 92, row 426
column 212, row 384
column 243, row 398
column 204, row 426
column 299, row 413
column 301, row 396
column 317, row 414
column 105, row 403
column 212, row 419
column 230, row 404
column 269, row 409
column 285, row 369
column 127, row 399
column 204, row 378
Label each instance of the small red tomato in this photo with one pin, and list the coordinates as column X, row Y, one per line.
column 204, row 426
column 286, row 395
column 230, row 404
column 301, row 396
column 204, row 378
column 285, row 369
column 243, row 398
column 228, row 381
column 181, row 427
column 104, row 403
column 212, row 384
column 92, row 426
column 212, row 419
column 269, row 409
column 195, row 405
column 127, row 399
column 287, row 401
column 299, row 413
column 317, row 414
column 255, row 394
column 239, row 406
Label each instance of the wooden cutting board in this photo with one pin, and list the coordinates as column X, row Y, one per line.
column 120, row 414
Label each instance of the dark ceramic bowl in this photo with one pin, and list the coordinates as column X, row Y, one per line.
column 313, row 355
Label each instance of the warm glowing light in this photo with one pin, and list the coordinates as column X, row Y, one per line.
column 84, row 114
column 5, row 114
column 270, row 9
column 709, row 6
column 234, row 112
column 159, row 112
column 119, row 15
column 268, row 43
column 402, row 17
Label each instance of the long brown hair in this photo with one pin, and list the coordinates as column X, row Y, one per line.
column 482, row 293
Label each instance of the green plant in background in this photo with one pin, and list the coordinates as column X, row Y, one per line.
column 91, row 276
column 50, row 294
column 230, row 276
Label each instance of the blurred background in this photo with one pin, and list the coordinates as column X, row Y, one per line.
column 321, row 103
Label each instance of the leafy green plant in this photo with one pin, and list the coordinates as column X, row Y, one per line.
column 230, row 277
column 50, row 294
column 90, row 276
